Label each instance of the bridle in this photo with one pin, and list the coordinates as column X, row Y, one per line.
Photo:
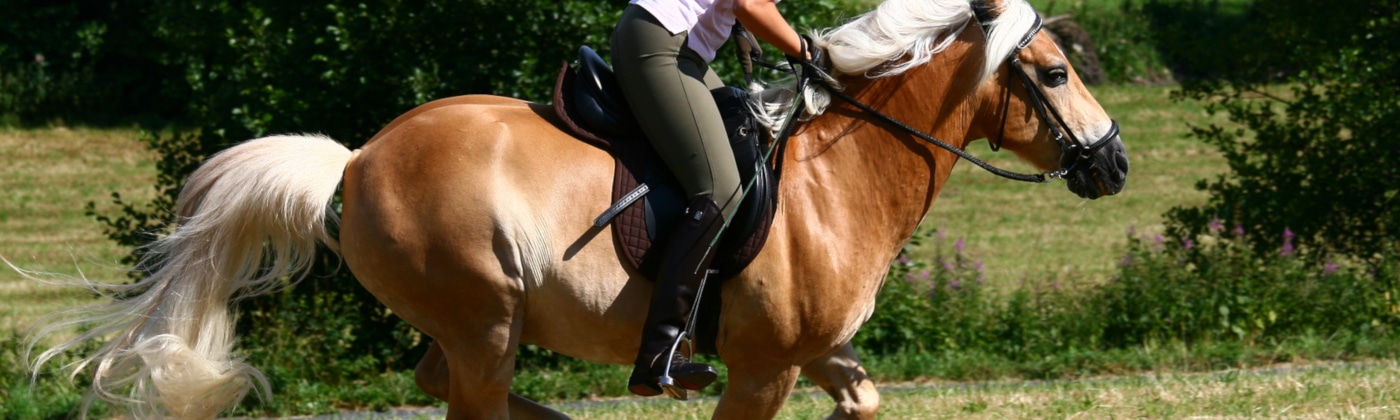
column 1074, row 155
column 1072, row 152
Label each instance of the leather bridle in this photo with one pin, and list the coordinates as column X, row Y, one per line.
column 1072, row 152
column 1074, row 155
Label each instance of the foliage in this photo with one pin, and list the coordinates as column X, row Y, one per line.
column 49, row 395
column 1124, row 38
column 1317, row 157
column 1254, row 41
column 929, row 305
column 1214, row 287
column 92, row 62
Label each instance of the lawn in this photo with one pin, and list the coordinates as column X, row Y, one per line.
column 1328, row 390
column 47, row 178
column 1044, row 232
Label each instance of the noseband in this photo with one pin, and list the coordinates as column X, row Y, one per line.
column 1073, row 152
column 1074, row 155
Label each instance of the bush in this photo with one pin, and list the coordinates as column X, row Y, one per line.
column 1214, row 288
column 87, row 62
column 1317, row 157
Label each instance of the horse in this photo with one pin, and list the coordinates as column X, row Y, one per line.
column 471, row 218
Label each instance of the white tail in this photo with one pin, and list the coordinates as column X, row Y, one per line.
column 248, row 218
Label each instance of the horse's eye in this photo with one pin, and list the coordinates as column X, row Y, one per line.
column 1055, row 77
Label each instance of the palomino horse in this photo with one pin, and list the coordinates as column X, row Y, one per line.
column 470, row 217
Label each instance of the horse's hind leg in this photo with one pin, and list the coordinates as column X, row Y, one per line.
column 479, row 373
column 841, row 376
column 433, row 377
column 431, row 374
column 524, row 408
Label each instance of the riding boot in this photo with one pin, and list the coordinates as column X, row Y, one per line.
column 683, row 266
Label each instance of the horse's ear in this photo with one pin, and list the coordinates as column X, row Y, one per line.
column 988, row 10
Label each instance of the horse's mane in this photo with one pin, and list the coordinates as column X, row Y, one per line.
column 895, row 37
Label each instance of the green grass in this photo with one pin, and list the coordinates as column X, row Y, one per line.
column 47, row 176
column 1025, row 231
column 1325, row 390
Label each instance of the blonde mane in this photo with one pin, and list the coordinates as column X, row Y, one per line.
column 897, row 36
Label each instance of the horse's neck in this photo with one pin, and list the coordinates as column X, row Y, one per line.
column 871, row 182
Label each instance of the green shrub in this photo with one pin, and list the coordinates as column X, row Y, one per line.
column 48, row 395
column 1216, row 288
column 1316, row 156
column 928, row 305
column 86, row 62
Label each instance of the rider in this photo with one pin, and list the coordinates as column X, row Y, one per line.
column 661, row 51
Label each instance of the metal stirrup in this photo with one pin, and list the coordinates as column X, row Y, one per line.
column 668, row 384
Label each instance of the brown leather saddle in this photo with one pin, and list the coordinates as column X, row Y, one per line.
column 648, row 201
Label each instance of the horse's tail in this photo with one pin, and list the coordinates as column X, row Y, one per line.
column 248, row 223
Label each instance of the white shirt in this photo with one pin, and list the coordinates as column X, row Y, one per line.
column 707, row 21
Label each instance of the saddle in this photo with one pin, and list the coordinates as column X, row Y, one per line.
column 648, row 200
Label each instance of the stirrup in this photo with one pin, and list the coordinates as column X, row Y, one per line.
column 668, row 384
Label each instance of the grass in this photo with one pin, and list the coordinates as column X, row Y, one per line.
column 1045, row 232
column 1324, row 390
column 47, row 177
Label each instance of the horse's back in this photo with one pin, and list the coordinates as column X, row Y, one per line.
column 465, row 209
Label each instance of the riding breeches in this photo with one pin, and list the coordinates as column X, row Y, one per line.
column 668, row 87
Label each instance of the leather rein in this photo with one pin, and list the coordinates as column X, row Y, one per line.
column 1073, row 153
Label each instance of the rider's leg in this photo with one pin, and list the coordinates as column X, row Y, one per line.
column 666, row 85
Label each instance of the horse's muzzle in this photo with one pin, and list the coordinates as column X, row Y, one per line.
column 1106, row 173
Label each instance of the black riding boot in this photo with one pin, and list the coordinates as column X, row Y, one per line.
column 687, row 258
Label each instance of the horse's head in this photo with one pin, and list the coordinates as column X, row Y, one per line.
column 1035, row 106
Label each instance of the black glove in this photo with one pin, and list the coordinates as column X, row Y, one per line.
column 818, row 67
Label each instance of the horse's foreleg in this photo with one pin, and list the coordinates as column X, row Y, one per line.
column 756, row 393
column 841, row 376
